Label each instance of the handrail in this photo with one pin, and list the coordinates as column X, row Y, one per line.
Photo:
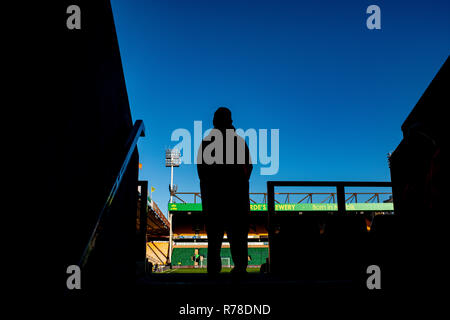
column 137, row 131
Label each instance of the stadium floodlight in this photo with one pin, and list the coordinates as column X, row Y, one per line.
column 172, row 160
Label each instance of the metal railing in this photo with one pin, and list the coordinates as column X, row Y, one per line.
column 339, row 194
column 294, row 197
column 137, row 131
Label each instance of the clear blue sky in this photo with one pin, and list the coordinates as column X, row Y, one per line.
column 337, row 91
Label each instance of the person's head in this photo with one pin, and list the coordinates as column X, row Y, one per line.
column 222, row 118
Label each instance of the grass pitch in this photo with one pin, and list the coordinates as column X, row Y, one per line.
column 203, row 270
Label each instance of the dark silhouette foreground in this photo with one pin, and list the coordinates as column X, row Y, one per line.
column 224, row 168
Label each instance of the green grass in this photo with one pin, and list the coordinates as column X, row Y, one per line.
column 203, row 270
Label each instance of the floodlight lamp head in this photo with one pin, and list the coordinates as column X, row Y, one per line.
column 173, row 158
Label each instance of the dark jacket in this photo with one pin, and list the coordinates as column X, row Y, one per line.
column 225, row 186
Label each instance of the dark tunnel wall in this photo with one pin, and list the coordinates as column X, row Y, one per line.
column 84, row 123
column 416, row 163
column 419, row 186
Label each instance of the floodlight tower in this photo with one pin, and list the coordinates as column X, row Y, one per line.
column 172, row 160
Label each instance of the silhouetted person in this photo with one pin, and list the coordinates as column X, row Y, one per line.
column 224, row 168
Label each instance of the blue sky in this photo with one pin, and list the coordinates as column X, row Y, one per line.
column 337, row 91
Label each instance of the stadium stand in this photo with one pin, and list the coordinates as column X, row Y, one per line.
column 257, row 256
column 157, row 252
column 182, row 256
